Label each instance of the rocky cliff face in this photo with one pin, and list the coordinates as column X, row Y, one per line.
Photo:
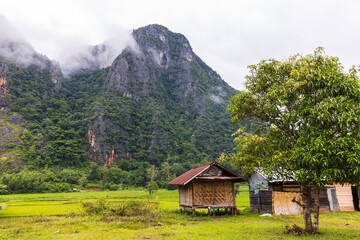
column 10, row 132
column 165, row 78
column 162, row 57
column 4, row 101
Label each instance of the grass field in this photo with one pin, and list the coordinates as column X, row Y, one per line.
column 60, row 216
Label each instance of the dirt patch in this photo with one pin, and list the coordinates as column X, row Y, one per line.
column 296, row 230
column 152, row 236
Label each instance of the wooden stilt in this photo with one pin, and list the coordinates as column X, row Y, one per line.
column 214, row 212
column 193, row 211
column 226, row 211
column 232, row 211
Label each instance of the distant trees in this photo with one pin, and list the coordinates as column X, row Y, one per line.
column 310, row 108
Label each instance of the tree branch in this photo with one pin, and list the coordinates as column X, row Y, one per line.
column 298, row 203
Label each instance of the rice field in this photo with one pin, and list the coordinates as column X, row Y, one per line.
column 61, row 216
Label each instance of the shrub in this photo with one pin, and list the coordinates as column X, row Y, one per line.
column 10, row 145
column 82, row 181
column 4, row 189
column 25, row 181
column 96, row 207
column 134, row 208
column 70, row 176
column 114, row 187
column 130, row 208
column 59, row 187
column 152, row 187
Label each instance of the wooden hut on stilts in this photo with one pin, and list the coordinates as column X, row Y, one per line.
column 210, row 186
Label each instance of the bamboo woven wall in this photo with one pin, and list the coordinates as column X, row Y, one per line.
column 282, row 203
column 218, row 193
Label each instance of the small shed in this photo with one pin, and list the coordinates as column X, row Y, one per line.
column 276, row 196
column 210, row 186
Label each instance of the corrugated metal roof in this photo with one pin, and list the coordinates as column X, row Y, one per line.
column 191, row 174
column 274, row 177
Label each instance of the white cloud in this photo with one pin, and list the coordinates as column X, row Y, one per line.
column 228, row 35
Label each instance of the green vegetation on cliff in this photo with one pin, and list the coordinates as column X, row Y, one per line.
column 159, row 107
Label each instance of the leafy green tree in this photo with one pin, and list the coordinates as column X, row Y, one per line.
column 152, row 172
column 312, row 131
column 152, row 187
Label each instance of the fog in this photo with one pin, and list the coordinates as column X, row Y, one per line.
column 77, row 55
column 72, row 52
column 227, row 35
column 13, row 45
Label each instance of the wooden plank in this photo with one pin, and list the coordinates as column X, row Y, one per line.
column 344, row 196
column 181, row 195
column 191, row 194
column 265, row 201
column 323, row 198
column 253, row 200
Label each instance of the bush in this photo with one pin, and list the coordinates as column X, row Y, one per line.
column 96, row 207
column 25, row 181
column 4, row 189
column 10, row 145
column 70, row 176
column 82, row 181
column 114, row 187
column 152, row 187
column 130, row 208
column 59, row 187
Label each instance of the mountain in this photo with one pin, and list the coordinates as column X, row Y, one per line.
column 156, row 104
column 167, row 100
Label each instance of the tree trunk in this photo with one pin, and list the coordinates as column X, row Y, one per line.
column 316, row 210
column 305, row 194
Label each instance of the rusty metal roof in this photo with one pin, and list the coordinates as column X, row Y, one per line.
column 193, row 173
column 220, row 178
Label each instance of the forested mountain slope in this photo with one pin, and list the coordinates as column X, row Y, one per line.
column 157, row 104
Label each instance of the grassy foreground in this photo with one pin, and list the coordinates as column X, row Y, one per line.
column 60, row 216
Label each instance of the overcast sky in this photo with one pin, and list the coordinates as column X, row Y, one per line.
column 227, row 35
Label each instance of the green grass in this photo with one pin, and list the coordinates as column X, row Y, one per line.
column 62, row 203
column 60, row 216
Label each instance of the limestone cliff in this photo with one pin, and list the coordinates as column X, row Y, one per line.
column 10, row 139
column 4, row 101
column 166, row 79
